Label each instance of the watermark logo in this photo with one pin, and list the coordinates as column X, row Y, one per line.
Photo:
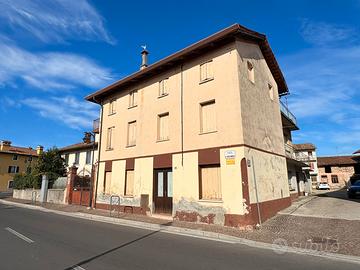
column 316, row 244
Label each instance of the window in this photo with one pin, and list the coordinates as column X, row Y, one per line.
column 15, row 157
column 310, row 154
column 131, row 141
column 210, row 183
column 206, row 71
column 28, row 169
column 77, row 157
column 30, row 158
column 88, row 157
column 207, row 117
column 271, row 91
column 109, row 138
column 13, row 169
column 334, row 179
column 328, row 169
column 129, row 183
column 163, row 127
column 163, row 87
column 133, row 99
column 107, row 183
column 112, row 107
column 324, row 178
column 66, row 159
column 251, row 72
column 11, row 184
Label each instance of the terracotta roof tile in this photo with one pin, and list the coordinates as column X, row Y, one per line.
column 304, row 146
column 20, row 151
column 77, row 146
column 337, row 160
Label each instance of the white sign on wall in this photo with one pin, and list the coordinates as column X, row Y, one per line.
column 230, row 156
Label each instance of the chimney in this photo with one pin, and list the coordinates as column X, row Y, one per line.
column 39, row 149
column 5, row 145
column 144, row 58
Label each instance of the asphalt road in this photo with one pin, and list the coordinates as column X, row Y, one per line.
column 31, row 239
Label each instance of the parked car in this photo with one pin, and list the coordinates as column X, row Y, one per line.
column 323, row 185
column 354, row 189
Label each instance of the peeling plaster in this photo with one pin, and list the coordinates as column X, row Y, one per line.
column 128, row 201
column 206, row 214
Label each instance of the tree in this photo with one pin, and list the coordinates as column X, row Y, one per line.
column 51, row 164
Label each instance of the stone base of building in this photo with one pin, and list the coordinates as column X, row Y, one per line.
column 123, row 208
column 268, row 209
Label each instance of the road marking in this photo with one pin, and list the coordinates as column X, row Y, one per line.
column 23, row 237
column 77, row 267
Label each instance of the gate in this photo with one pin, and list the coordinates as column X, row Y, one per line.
column 81, row 190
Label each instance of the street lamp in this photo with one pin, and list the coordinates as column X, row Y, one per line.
column 89, row 137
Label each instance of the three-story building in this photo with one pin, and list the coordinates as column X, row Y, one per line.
column 197, row 135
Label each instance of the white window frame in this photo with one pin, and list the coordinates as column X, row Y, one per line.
column 112, row 107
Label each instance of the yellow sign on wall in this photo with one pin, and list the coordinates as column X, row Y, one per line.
column 230, row 157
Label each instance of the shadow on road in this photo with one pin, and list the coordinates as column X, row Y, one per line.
column 338, row 194
column 113, row 249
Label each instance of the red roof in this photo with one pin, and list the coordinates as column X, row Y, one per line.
column 304, row 146
column 220, row 38
column 20, row 151
column 77, row 146
column 337, row 160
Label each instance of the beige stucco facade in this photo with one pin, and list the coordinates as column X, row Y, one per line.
column 248, row 123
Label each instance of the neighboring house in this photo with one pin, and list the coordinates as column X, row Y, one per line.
column 298, row 168
column 81, row 156
column 306, row 152
column 13, row 160
column 338, row 170
column 197, row 135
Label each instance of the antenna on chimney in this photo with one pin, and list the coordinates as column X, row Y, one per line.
column 144, row 57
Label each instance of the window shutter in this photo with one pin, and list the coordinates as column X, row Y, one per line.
column 210, row 183
column 132, row 133
column 203, row 72
column 209, row 70
column 163, row 127
column 129, row 189
column 208, row 117
column 107, row 183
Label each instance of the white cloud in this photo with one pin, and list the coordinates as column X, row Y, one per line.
column 325, row 89
column 56, row 20
column 49, row 71
column 325, row 34
column 67, row 110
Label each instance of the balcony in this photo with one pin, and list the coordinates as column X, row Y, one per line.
column 96, row 125
column 288, row 119
column 298, row 156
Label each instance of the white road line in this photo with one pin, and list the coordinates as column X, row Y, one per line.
column 23, row 237
column 78, row 268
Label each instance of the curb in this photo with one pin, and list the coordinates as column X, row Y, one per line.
column 278, row 249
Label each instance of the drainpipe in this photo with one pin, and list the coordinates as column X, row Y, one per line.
column 182, row 113
column 99, row 151
column 256, row 191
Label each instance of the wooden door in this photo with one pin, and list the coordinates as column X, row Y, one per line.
column 163, row 191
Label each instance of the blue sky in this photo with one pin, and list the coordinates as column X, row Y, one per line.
column 53, row 53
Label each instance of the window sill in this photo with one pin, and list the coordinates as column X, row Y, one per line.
column 163, row 95
column 209, row 132
column 130, row 107
column 110, row 114
column 206, row 80
column 211, row 201
column 165, row 140
column 132, row 145
column 109, row 149
column 129, row 196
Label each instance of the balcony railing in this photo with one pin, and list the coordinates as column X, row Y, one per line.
column 96, row 125
column 299, row 156
column 285, row 110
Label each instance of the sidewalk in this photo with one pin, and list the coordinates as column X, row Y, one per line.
column 315, row 236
